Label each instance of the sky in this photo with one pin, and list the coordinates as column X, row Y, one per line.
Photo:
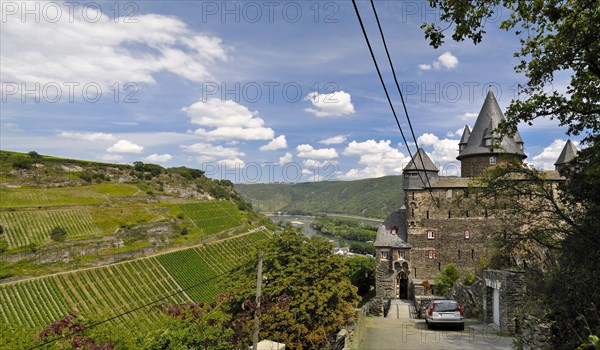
column 252, row 91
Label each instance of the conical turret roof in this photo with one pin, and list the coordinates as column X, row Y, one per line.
column 423, row 162
column 568, row 154
column 488, row 119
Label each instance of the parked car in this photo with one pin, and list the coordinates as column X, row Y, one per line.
column 445, row 312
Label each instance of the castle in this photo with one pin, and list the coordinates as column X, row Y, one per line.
column 440, row 222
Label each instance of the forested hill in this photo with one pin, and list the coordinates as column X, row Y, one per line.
column 369, row 197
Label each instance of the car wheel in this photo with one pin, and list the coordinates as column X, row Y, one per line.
column 461, row 327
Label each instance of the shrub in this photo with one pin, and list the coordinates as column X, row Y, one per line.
column 22, row 163
column 469, row 279
column 58, row 234
column 184, row 231
column 447, row 279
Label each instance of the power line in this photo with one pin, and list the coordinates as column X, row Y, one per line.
column 400, row 92
column 388, row 97
column 155, row 301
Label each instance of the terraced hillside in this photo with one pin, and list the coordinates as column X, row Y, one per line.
column 110, row 212
column 184, row 275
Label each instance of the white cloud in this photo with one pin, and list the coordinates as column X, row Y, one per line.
column 159, row 158
column 307, row 151
column 286, row 158
column 231, row 120
column 446, row 60
column 468, row 116
column 211, row 152
column 378, row 158
column 105, row 51
column 334, row 140
column 427, row 139
column 275, row 144
column 330, row 105
column 546, row 159
column 86, row 136
column 124, row 146
column 111, row 157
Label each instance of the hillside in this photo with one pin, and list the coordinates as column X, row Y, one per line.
column 105, row 213
column 369, row 197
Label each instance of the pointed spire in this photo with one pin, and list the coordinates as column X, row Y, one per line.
column 482, row 136
column 423, row 162
column 465, row 135
column 568, row 154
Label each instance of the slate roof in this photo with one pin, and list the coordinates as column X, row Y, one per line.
column 465, row 136
column 385, row 237
column 568, row 153
column 426, row 164
column 488, row 119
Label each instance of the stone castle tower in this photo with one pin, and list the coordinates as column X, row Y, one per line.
column 440, row 222
column 481, row 148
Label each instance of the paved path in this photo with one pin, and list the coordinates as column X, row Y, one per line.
column 399, row 331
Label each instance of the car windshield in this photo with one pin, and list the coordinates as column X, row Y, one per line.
column 443, row 306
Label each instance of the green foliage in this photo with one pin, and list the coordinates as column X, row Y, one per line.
column 152, row 169
column 362, row 248
column 58, row 234
column 1, row 229
column 3, row 245
column 347, row 229
column 375, row 198
column 184, row 231
column 22, row 163
column 447, row 278
column 188, row 173
column 322, row 296
column 469, row 279
column 362, row 273
column 86, row 176
column 34, row 155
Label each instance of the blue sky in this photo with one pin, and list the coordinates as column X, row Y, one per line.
column 249, row 91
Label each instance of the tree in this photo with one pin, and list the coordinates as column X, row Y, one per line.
column 362, row 273
column 313, row 279
column 58, row 234
column 555, row 36
column 448, row 277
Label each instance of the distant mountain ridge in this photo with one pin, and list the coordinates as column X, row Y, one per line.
column 374, row 198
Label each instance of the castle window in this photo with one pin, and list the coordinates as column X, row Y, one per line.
column 428, row 214
column 472, row 254
column 467, row 234
column 402, row 254
column 431, row 254
column 439, row 266
column 459, row 254
column 449, row 193
column 466, row 213
column 413, row 195
column 431, row 234
column 384, row 254
column 492, row 160
column 415, row 272
column 449, row 214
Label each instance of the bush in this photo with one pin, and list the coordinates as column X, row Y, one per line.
column 58, row 234
column 184, row 231
column 22, row 163
column 469, row 279
column 447, row 278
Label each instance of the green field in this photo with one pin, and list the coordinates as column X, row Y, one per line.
column 58, row 196
column 33, row 226
column 106, row 291
column 213, row 217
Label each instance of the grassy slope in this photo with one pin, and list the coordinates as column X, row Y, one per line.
column 370, row 197
column 115, row 211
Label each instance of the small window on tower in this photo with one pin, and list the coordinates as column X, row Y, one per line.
column 467, row 234
column 431, row 254
column 384, row 254
column 492, row 160
column 431, row 234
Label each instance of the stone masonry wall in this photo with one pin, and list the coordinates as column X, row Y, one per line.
column 511, row 288
column 476, row 165
column 456, row 213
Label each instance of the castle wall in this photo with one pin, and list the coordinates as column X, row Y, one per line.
column 476, row 165
column 457, row 212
